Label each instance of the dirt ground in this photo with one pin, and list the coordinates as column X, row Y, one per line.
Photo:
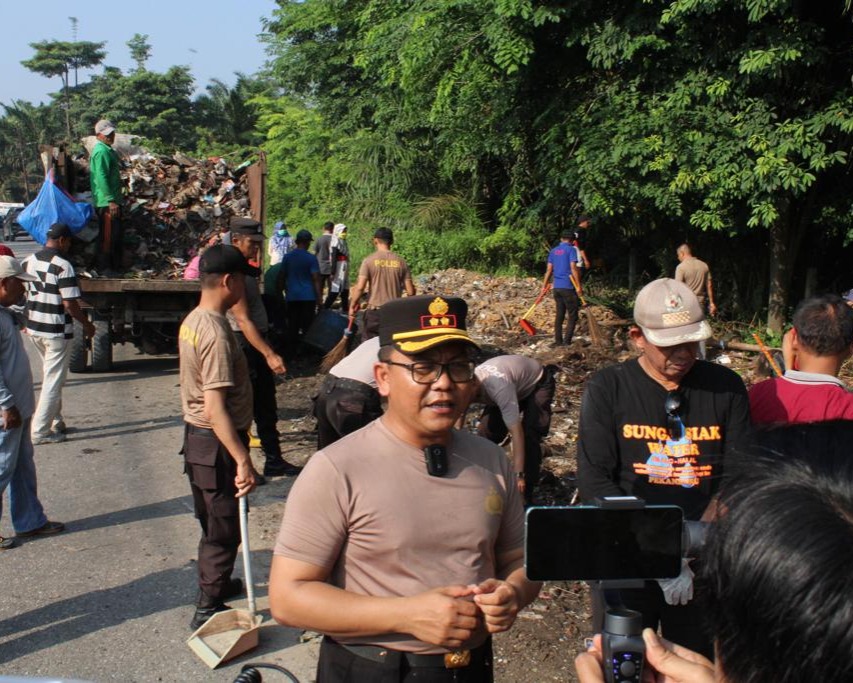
column 550, row 632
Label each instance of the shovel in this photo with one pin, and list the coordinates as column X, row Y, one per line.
column 231, row 633
column 526, row 325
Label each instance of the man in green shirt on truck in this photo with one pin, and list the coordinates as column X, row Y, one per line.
column 105, row 180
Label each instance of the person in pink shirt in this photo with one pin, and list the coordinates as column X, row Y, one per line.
column 814, row 349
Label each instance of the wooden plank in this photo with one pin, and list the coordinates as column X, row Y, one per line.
column 113, row 285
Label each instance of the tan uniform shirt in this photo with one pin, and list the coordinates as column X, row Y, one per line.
column 507, row 380
column 211, row 358
column 695, row 274
column 386, row 272
column 366, row 509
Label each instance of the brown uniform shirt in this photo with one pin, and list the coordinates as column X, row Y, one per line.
column 386, row 273
column 365, row 509
column 695, row 274
column 211, row 358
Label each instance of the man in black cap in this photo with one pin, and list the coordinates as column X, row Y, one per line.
column 403, row 542
column 52, row 305
column 300, row 280
column 216, row 396
column 248, row 320
column 385, row 275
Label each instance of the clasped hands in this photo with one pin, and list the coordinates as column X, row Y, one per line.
column 453, row 616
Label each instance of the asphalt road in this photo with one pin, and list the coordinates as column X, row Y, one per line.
column 110, row 599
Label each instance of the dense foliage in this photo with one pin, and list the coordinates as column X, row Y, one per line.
column 479, row 129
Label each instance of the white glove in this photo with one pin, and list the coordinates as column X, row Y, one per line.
column 679, row 591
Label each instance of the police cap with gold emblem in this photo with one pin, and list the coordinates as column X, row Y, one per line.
column 414, row 324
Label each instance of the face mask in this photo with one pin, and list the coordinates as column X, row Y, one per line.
column 281, row 233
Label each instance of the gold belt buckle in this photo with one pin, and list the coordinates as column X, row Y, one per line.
column 457, row 659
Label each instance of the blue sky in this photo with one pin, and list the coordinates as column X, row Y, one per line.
column 214, row 39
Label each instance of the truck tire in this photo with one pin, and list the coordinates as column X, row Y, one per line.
column 102, row 345
column 79, row 356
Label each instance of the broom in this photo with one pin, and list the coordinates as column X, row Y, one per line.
column 339, row 350
column 767, row 355
column 594, row 330
column 526, row 325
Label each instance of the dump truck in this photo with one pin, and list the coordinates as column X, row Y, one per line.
column 147, row 310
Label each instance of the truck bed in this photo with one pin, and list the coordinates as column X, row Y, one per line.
column 137, row 285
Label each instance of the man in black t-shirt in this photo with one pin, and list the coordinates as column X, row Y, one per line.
column 660, row 427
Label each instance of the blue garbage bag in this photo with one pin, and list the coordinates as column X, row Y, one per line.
column 53, row 205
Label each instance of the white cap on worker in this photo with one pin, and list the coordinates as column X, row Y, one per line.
column 11, row 267
column 669, row 313
column 104, row 127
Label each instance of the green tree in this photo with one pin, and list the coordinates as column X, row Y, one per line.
column 227, row 117
column 140, row 50
column 23, row 127
column 56, row 58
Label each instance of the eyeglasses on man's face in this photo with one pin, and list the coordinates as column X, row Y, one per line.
column 427, row 371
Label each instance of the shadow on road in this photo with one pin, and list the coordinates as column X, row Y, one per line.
column 166, row 508
column 102, row 431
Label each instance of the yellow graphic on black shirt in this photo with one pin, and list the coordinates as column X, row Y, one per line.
column 673, row 462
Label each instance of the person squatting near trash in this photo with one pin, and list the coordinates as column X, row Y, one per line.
column 249, row 322
column 662, row 427
column 17, row 402
column 216, row 397
column 339, row 281
column 406, row 573
column 348, row 399
column 52, row 306
column 562, row 264
column 517, row 392
column 776, row 568
column 815, row 349
column 385, row 276
column 105, row 180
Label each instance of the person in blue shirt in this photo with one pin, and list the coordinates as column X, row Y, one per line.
column 299, row 277
column 562, row 264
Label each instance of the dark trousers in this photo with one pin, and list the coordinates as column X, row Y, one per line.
column 338, row 665
column 112, row 230
column 535, row 421
column 342, row 407
column 567, row 303
column 263, row 398
column 331, row 297
column 681, row 624
column 371, row 324
column 300, row 315
column 211, row 471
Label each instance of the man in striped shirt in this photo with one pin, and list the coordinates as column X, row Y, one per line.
column 52, row 302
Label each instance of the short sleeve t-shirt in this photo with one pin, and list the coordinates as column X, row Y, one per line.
column 694, row 273
column 211, row 358
column 257, row 310
column 322, row 250
column 366, row 510
column 800, row 397
column 358, row 365
column 387, row 274
column 507, row 380
column 56, row 282
column 561, row 258
column 298, row 267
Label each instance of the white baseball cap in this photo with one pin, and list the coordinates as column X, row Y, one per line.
column 669, row 313
column 11, row 267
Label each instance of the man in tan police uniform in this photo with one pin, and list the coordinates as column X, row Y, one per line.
column 386, row 275
column 406, row 570
column 217, row 404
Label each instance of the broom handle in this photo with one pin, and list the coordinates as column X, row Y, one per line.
column 767, row 355
column 577, row 289
column 536, row 303
column 247, row 559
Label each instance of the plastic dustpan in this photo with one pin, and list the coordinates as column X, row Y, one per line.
column 231, row 633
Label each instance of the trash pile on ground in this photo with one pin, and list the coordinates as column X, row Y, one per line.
column 174, row 204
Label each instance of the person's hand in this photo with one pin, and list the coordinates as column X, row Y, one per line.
column 499, row 602
column 244, row 482
column 11, row 419
column 276, row 364
column 678, row 591
column 114, row 209
column 520, row 485
column 665, row 663
column 445, row 616
column 88, row 329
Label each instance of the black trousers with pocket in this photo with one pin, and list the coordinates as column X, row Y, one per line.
column 342, row 407
column 211, row 471
column 568, row 304
column 263, row 398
